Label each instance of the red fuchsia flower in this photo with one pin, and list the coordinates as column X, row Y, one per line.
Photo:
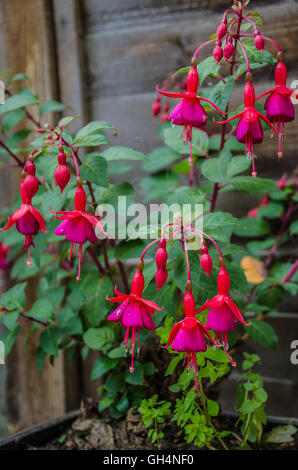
column 254, row 212
column 222, row 29
column 259, row 40
column 156, row 108
column 4, row 250
column 62, row 173
column 224, row 312
column 134, row 312
column 30, row 182
column 28, row 221
column 278, row 106
column 206, row 260
column 249, row 130
column 161, row 257
column 189, row 112
column 189, row 335
column 228, row 48
column 78, row 226
column 218, row 52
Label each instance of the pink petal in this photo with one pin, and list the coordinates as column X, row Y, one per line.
column 279, row 106
column 242, row 130
column 117, row 314
column 256, row 130
column 147, row 319
column 220, row 319
column 132, row 316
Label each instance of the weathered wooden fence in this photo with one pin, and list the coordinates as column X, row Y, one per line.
column 103, row 58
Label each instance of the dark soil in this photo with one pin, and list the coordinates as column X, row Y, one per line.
column 92, row 432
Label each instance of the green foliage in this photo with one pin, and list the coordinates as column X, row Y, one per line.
column 153, row 414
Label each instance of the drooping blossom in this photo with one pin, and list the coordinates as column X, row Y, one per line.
column 4, row 251
column 161, row 257
column 189, row 335
column 249, row 129
column 224, row 312
column 189, row 112
column 134, row 312
column 206, row 260
column 254, row 212
column 28, row 221
column 78, row 226
column 62, row 173
column 278, row 106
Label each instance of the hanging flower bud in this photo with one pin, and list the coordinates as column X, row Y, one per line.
column 218, row 52
column 161, row 255
column 189, row 304
column 156, row 108
column 223, row 281
column 30, row 184
column 165, row 114
column 161, row 277
column 259, row 40
column 80, row 199
column 62, row 173
column 222, row 29
column 228, row 48
column 206, row 260
column 137, row 283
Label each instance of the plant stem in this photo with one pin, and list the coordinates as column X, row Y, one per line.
column 291, row 273
column 203, row 400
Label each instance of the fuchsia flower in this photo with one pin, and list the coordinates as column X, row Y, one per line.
column 224, row 312
column 161, row 257
column 249, row 130
column 78, row 226
column 189, row 112
column 28, row 221
column 206, row 260
column 134, row 312
column 254, row 212
column 189, row 335
column 62, row 173
column 4, row 250
column 278, row 106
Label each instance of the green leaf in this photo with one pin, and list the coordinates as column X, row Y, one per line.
column 173, row 364
column 221, row 93
column 17, row 77
column 94, row 169
column 20, row 100
column 263, row 333
column 49, row 339
column 220, row 225
column 212, row 407
column 294, row 228
column 91, row 140
column 105, row 403
column 41, row 310
column 51, row 107
column 137, row 376
column 97, row 306
column 14, row 298
column 172, row 138
column 251, row 185
column 94, row 127
column 118, row 352
column 66, row 120
column 249, row 406
column 159, row 158
column 252, row 227
column 99, row 338
column 9, row 337
column 122, row 153
column 102, row 366
column 12, row 118
column 217, row 355
column 273, row 210
column 206, row 68
column 17, row 137
column 279, row 434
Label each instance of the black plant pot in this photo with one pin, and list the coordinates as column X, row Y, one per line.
column 43, row 433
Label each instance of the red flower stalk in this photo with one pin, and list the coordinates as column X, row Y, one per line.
column 189, row 335
column 161, row 257
column 278, row 106
column 249, row 130
column 134, row 312
column 224, row 312
column 62, row 173
column 189, row 112
column 78, row 226
column 28, row 221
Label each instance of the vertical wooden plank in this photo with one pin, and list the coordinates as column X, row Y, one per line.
column 71, row 72
column 70, row 57
column 28, row 46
